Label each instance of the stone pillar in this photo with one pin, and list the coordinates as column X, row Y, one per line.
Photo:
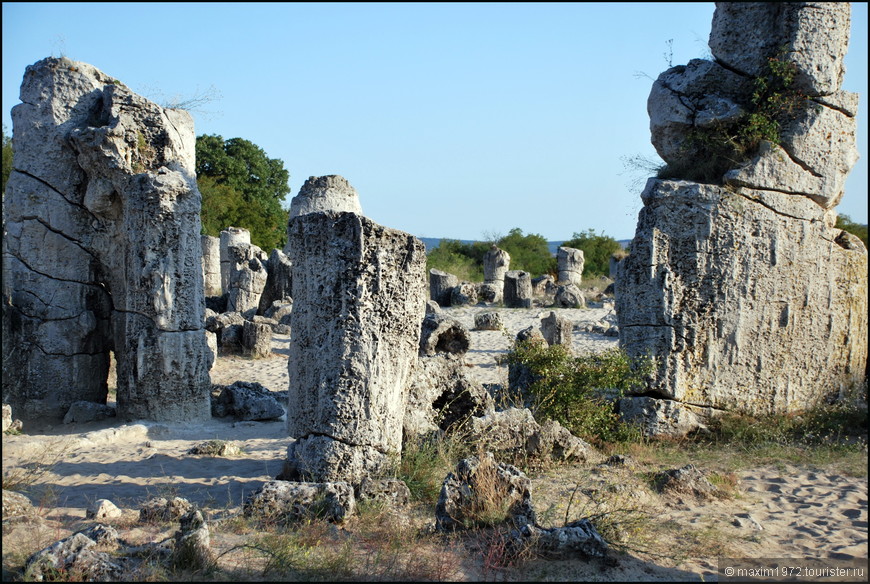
column 441, row 285
column 211, row 265
column 570, row 262
column 278, row 281
column 230, row 236
column 323, row 193
column 359, row 295
column 557, row 330
column 746, row 293
column 102, row 251
column 496, row 263
column 518, row 289
column 247, row 278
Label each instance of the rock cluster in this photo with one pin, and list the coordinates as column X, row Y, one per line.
column 741, row 285
column 101, row 251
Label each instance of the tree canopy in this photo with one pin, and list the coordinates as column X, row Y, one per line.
column 597, row 250
column 845, row 223
column 241, row 187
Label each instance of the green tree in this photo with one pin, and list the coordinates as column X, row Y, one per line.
column 242, row 187
column 457, row 258
column 844, row 222
column 597, row 250
column 7, row 157
column 530, row 253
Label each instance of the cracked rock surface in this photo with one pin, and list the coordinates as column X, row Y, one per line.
column 101, row 251
column 746, row 293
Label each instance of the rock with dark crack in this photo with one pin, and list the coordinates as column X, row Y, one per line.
column 359, row 294
column 101, row 251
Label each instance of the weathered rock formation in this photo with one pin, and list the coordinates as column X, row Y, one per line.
column 441, row 285
column 323, row 193
column 570, row 262
column 230, row 236
column 211, row 265
column 359, row 292
column 743, row 289
column 496, row 263
column 278, row 282
column 518, row 289
column 101, row 251
column 246, row 280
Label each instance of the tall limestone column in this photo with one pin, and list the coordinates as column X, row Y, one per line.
column 101, row 251
column 496, row 263
column 738, row 281
column 359, row 293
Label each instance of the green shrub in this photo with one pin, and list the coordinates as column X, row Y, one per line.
column 570, row 389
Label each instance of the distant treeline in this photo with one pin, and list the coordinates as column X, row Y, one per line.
column 530, row 253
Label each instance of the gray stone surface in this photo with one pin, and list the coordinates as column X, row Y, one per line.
column 465, row 293
column 482, row 483
column 815, row 36
column 230, row 236
column 289, row 501
column 557, row 330
column 246, row 400
column 569, row 296
column 747, row 297
column 247, row 279
column 443, row 334
column 517, row 289
column 257, row 339
column 570, row 262
column 359, row 291
column 211, row 265
column 102, row 509
column 102, row 250
column 488, row 321
column 496, row 263
column 81, row 412
column 441, row 285
column 278, row 282
column 331, row 193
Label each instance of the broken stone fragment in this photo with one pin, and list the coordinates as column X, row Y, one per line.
column 289, row 501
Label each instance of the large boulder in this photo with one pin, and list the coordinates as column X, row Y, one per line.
column 359, row 294
column 728, row 285
column 288, row 501
column 102, row 251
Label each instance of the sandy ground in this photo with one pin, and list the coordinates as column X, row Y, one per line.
column 783, row 512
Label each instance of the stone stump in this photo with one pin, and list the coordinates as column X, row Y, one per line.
column 570, row 262
column 557, row 330
column 496, row 263
column 211, row 265
column 359, row 293
column 518, row 289
column 230, row 236
column 247, row 279
column 441, row 285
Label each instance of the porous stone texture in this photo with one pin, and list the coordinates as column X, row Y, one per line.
column 278, row 282
column 323, row 193
column 192, row 542
column 247, row 279
column 570, row 262
column 517, row 289
column 516, row 432
column 359, row 291
column 442, row 334
column 392, row 492
column 746, row 294
column 257, row 339
column 102, row 509
column 230, row 236
column 488, row 321
column 16, row 505
column 496, row 263
column 569, row 296
column 465, row 293
column 814, row 35
column 747, row 298
column 557, row 330
column 246, row 400
column 817, row 146
column 211, row 265
column 287, row 501
column 566, row 542
column 162, row 509
column 102, row 251
column 76, row 555
column 441, row 285
column 442, row 395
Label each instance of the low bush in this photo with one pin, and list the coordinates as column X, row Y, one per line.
column 578, row 391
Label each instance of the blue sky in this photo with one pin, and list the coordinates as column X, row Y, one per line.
column 456, row 120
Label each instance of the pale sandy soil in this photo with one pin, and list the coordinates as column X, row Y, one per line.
column 783, row 511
